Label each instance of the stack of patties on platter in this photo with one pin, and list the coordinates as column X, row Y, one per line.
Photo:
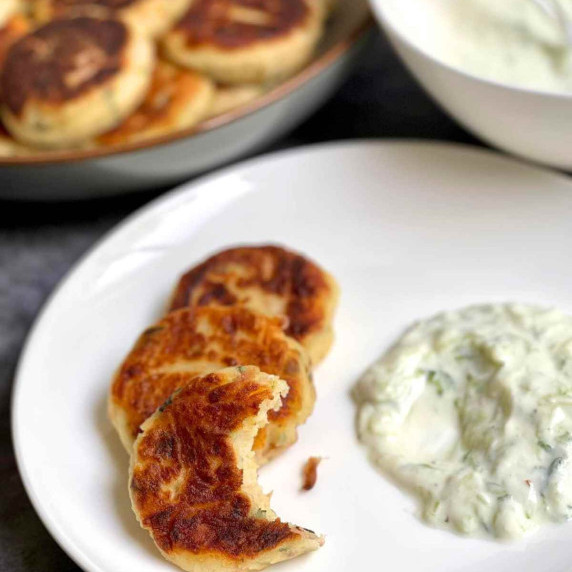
column 77, row 74
column 214, row 389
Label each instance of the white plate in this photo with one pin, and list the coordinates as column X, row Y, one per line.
column 408, row 230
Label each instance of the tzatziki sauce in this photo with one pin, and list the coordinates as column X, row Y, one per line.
column 471, row 411
column 513, row 42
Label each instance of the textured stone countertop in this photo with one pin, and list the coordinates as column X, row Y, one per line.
column 39, row 243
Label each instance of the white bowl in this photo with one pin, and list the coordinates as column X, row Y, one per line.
column 166, row 161
column 531, row 124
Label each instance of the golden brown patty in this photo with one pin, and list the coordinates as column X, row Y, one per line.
column 270, row 280
column 246, row 41
column 178, row 99
column 193, row 481
column 46, row 64
column 204, row 340
column 150, row 16
column 74, row 78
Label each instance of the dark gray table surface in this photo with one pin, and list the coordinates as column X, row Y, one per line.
column 40, row 242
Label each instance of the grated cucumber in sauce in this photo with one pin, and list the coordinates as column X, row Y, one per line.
column 472, row 412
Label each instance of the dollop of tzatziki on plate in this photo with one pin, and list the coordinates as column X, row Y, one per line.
column 472, row 411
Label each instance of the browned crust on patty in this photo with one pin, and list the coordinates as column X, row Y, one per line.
column 202, row 340
column 189, row 443
column 229, row 24
column 305, row 292
column 62, row 60
column 14, row 29
column 171, row 89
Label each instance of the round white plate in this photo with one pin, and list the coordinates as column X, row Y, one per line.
column 409, row 229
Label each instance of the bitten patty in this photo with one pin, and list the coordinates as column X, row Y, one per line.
column 193, row 477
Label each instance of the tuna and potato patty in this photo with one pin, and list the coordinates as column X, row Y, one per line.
column 202, row 340
column 270, row 280
column 193, row 476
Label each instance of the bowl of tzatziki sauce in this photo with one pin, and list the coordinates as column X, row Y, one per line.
column 502, row 69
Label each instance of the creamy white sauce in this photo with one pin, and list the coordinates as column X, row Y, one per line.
column 472, row 412
column 508, row 41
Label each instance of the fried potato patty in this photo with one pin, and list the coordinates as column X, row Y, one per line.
column 193, row 477
column 73, row 79
column 246, row 41
column 201, row 341
column 178, row 99
column 270, row 280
